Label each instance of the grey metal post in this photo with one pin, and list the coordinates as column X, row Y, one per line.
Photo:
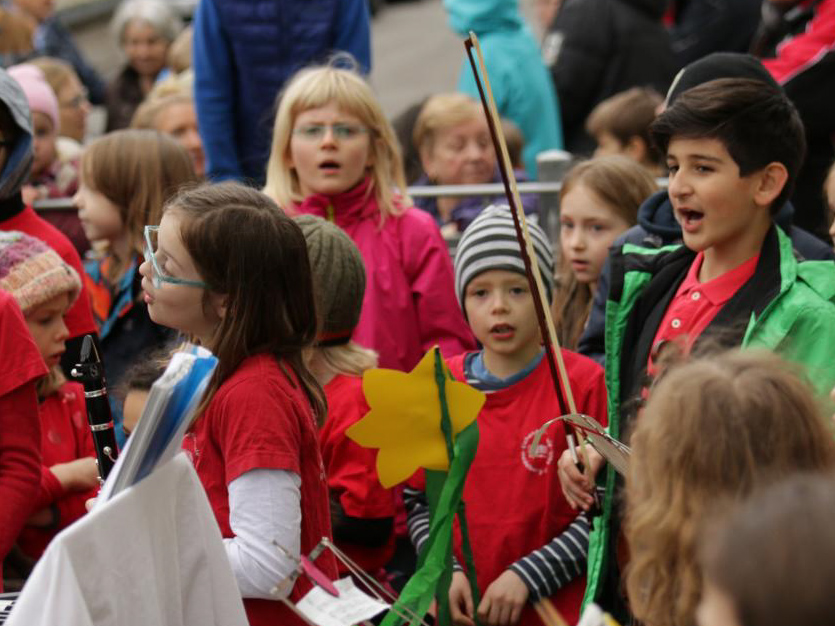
column 551, row 166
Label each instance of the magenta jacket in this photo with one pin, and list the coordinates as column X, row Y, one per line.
column 409, row 303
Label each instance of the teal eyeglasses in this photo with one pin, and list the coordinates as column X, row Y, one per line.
column 152, row 254
column 341, row 131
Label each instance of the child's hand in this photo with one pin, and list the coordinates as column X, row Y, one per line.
column 503, row 601
column 576, row 486
column 461, row 600
column 79, row 475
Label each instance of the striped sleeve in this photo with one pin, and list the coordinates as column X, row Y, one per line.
column 557, row 563
column 417, row 520
column 417, row 517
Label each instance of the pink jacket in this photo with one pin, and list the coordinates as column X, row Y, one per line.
column 410, row 302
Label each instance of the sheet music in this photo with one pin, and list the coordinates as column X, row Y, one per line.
column 158, row 436
column 351, row 607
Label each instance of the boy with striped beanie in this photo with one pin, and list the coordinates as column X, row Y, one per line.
column 527, row 541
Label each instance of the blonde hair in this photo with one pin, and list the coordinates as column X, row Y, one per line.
column 350, row 359
column 714, row 429
column 319, row 86
column 622, row 184
column 138, row 171
column 439, row 113
column 50, row 383
column 179, row 54
column 57, row 72
column 174, row 89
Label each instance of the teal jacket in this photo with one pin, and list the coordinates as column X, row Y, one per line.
column 787, row 306
column 522, row 87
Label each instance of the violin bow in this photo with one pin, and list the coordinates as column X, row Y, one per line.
column 559, row 376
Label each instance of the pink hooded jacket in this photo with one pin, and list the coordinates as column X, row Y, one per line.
column 409, row 303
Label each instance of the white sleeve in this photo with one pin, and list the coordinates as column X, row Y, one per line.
column 264, row 505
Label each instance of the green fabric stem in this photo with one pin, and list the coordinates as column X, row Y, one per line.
column 444, row 492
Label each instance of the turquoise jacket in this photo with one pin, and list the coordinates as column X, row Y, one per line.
column 522, row 87
column 787, row 306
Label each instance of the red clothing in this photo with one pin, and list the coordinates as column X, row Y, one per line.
column 797, row 54
column 696, row 304
column 352, row 469
column 409, row 304
column 20, row 456
column 514, row 503
column 65, row 436
column 79, row 318
column 260, row 418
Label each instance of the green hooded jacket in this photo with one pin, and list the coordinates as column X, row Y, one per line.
column 787, row 306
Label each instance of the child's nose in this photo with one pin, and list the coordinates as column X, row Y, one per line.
column 677, row 184
column 62, row 332
column 577, row 239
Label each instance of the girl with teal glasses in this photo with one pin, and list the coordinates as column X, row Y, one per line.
column 126, row 177
column 228, row 269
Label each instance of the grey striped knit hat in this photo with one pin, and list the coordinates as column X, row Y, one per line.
column 489, row 243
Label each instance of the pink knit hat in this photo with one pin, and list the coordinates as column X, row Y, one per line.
column 38, row 92
column 33, row 272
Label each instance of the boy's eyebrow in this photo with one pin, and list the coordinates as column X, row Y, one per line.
column 700, row 157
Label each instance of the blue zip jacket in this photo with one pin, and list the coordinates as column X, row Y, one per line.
column 243, row 53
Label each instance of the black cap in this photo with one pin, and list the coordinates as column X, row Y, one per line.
column 719, row 65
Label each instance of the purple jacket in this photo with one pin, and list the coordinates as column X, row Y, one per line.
column 470, row 206
column 409, row 304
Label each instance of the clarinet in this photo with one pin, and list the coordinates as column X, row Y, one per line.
column 91, row 374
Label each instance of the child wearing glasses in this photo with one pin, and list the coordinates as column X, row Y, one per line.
column 335, row 155
column 126, row 177
column 254, row 442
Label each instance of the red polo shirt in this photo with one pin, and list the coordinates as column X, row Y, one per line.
column 696, row 304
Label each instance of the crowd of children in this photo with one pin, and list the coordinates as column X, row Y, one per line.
column 695, row 323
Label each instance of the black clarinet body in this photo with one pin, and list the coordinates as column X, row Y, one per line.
column 90, row 373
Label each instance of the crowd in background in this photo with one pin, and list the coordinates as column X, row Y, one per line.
column 249, row 194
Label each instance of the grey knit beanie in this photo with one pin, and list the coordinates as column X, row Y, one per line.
column 489, row 243
column 338, row 278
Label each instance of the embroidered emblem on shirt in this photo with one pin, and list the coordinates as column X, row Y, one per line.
column 542, row 457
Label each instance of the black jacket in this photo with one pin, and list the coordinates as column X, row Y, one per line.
column 705, row 26
column 598, row 48
column 657, row 227
column 796, row 43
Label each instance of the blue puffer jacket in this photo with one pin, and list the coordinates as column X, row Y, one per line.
column 244, row 51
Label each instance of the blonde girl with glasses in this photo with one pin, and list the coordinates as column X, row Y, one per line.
column 335, row 155
column 126, row 177
column 249, row 299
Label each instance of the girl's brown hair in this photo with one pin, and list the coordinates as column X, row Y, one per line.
column 248, row 251
column 714, row 429
column 622, row 184
column 137, row 170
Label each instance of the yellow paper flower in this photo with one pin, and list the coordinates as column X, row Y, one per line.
column 405, row 419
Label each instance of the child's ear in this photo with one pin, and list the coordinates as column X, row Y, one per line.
column 219, row 303
column 770, row 182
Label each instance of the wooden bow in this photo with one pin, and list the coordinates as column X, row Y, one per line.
column 562, row 387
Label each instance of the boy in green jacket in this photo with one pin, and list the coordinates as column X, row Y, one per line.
column 733, row 147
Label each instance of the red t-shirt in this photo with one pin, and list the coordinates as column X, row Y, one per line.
column 352, row 469
column 79, row 318
column 20, row 437
column 260, row 418
column 65, row 436
column 514, row 503
column 696, row 304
